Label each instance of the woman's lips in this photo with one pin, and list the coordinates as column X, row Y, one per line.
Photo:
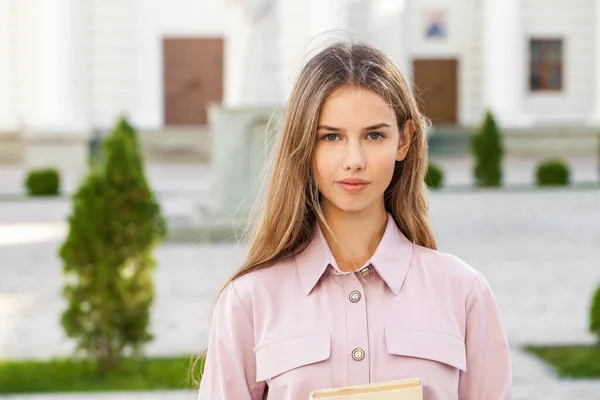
column 353, row 185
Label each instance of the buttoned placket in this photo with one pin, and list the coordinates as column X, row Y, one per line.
column 357, row 352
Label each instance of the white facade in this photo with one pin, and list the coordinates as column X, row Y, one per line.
column 126, row 53
column 575, row 22
column 70, row 66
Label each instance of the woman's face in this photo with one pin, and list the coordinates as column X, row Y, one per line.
column 358, row 143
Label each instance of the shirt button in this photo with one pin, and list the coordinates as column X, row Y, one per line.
column 355, row 296
column 365, row 271
column 358, row 354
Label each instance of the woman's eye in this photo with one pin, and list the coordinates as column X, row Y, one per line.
column 330, row 137
column 375, row 135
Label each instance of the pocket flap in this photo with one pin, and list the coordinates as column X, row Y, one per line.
column 286, row 354
column 441, row 347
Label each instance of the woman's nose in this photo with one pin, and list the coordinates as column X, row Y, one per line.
column 354, row 157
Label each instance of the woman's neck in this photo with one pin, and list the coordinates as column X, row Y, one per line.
column 356, row 234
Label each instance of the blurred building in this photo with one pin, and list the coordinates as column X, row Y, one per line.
column 69, row 68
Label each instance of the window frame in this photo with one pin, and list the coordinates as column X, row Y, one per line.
column 545, row 65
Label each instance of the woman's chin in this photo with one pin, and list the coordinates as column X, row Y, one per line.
column 351, row 205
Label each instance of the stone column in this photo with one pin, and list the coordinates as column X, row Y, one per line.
column 595, row 117
column 294, row 33
column 304, row 27
column 8, row 121
column 389, row 24
column 504, row 65
column 10, row 148
column 59, row 135
column 327, row 15
column 251, row 54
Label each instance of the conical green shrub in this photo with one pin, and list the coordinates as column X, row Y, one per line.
column 115, row 224
column 488, row 151
column 595, row 315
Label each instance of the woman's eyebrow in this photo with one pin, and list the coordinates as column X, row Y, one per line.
column 368, row 128
column 378, row 126
column 328, row 128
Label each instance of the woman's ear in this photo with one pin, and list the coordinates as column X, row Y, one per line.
column 406, row 136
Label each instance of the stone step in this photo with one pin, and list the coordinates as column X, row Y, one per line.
column 561, row 142
column 169, row 145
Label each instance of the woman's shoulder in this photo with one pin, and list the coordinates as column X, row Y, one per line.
column 444, row 265
column 263, row 280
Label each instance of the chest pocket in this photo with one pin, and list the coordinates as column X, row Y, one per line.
column 295, row 363
column 436, row 358
column 443, row 348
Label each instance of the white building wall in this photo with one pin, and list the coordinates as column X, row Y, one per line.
column 390, row 31
column 8, row 116
column 355, row 18
column 126, row 66
column 594, row 118
column 154, row 20
column 449, row 47
column 252, row 55
column 49, row 65
column 503, row 58
column 470, row 105
column 463, row 43
column 112, row 61
column 572, row 20
column 26, row 18
column 269, row 84
column 292, row 41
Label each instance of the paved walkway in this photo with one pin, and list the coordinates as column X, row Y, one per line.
column 538, row 249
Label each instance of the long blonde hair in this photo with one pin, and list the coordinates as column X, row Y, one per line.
column 291, row 207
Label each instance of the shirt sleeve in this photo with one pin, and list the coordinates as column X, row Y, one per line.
column 489, row 371
column 230, row 367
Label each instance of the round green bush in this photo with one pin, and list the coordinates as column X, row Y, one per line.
column 552, row 172
column 43, row 182
column 435, row 176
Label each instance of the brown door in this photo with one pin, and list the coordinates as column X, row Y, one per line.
column 436, row 84
column 193, row 77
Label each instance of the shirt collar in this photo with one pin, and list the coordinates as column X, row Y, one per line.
column 391, row 259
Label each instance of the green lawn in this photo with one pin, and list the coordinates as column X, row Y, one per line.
column 63, row 375
column 570, row 361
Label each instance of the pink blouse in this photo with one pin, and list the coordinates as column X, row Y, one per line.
column 410, row 312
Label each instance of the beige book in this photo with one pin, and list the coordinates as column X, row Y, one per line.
column 405, row 389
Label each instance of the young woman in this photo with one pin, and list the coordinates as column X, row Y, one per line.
column 343, row 284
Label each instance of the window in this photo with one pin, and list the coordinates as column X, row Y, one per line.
column 546, row 64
